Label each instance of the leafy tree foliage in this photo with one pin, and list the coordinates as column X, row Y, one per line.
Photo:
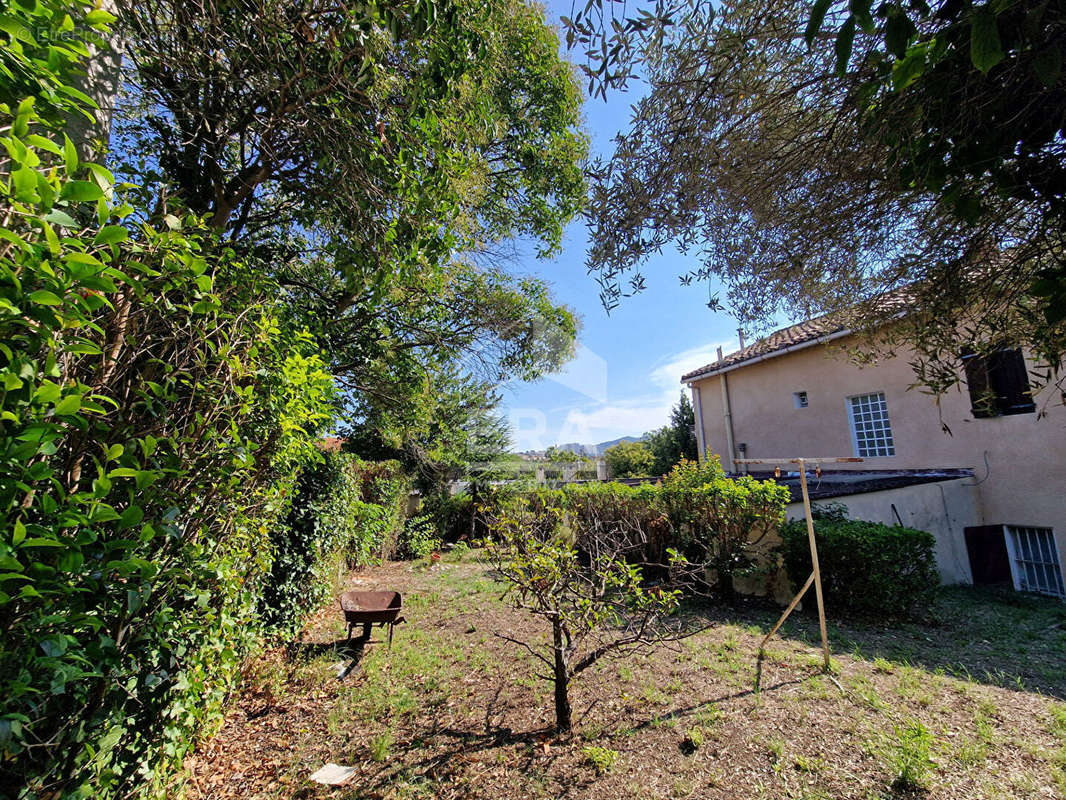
column 163, row 379
column 671, row 443
column 357, row 153
column 905, row 156
column 629, row 460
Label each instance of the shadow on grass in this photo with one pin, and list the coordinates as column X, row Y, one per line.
column 456, row 751
column 350, row 651
column 992, row 636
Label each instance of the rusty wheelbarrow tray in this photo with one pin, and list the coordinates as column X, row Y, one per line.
column 372, row 608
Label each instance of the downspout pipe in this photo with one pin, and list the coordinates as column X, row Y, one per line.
column 701, row 446
column 727, row 414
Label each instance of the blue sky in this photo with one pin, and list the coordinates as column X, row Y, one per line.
column 629, row 365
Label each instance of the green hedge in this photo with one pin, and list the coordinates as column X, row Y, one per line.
column 867, row 567
column 344, row 513
column 711, row 519
column 155, row 401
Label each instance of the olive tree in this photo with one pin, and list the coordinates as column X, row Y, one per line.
column 809, row 155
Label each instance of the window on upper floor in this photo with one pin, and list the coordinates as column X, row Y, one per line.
column 799, row 399
column 998, row 383
column 871, row 431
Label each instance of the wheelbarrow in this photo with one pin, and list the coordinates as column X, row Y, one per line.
column 371, row 608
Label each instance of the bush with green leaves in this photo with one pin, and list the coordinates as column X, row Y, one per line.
column 867, row 567
column 345, row 513
column 720, row 521
column 155, row 400
column 419, row 538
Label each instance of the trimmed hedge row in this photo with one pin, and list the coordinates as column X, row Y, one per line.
column 713, row 520
column 867, row 567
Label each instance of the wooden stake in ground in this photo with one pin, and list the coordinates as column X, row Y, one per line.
column 816, row 573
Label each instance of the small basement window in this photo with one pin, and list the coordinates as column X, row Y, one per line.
column 1035, row 560
column 799, row 399
column 871, row 431
column 998, row 383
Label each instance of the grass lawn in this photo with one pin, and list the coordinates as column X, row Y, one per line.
column 969, row 706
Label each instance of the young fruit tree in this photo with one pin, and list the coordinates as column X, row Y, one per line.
column 585, row 575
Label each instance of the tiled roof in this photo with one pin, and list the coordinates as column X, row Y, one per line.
column 806, row 331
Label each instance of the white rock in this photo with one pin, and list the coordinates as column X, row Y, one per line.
column 333, row 774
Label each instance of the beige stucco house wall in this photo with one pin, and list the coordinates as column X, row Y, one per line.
column 1019, row 461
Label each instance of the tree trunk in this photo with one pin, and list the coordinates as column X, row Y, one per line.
column 103, row 75
column 562, row 679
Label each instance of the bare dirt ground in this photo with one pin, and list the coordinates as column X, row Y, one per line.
column 968, row 705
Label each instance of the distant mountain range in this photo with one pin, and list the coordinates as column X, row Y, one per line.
column 594, row 450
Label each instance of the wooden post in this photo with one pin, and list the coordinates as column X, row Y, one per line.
column 814, row 562
column 816, row 575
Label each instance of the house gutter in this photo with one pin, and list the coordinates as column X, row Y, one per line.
column 766, row 356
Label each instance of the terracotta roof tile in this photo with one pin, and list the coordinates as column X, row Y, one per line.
column 805, row 331
column 896, row 301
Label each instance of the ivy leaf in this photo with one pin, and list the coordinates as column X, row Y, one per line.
column 25, row 180
column 61, row 218
column 54, row 646
column 112, row 234
column 70, row 404
column 131, row 516
column 985, row 48
column 43, row 297
column 908, row 69
column 70, row 155
column 898, row 32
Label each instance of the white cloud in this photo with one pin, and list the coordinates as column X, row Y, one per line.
column 669, row 371
column 644, row 410
column 585, row 374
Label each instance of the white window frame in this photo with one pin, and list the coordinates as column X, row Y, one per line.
column 854, row 429
column 1020, row 581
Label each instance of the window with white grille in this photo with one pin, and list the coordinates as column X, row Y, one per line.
column 870, row 428
column 1035, row 560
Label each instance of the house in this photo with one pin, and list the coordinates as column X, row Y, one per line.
column 993, row 491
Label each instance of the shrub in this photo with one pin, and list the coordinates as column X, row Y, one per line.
column 155, row 401
column 419, row 538
column 330, row 524
column 867, row 567
column 720, row 521
column 715, row 521
column 452, row 514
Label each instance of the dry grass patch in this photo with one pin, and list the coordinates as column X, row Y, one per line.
column 969, row 705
